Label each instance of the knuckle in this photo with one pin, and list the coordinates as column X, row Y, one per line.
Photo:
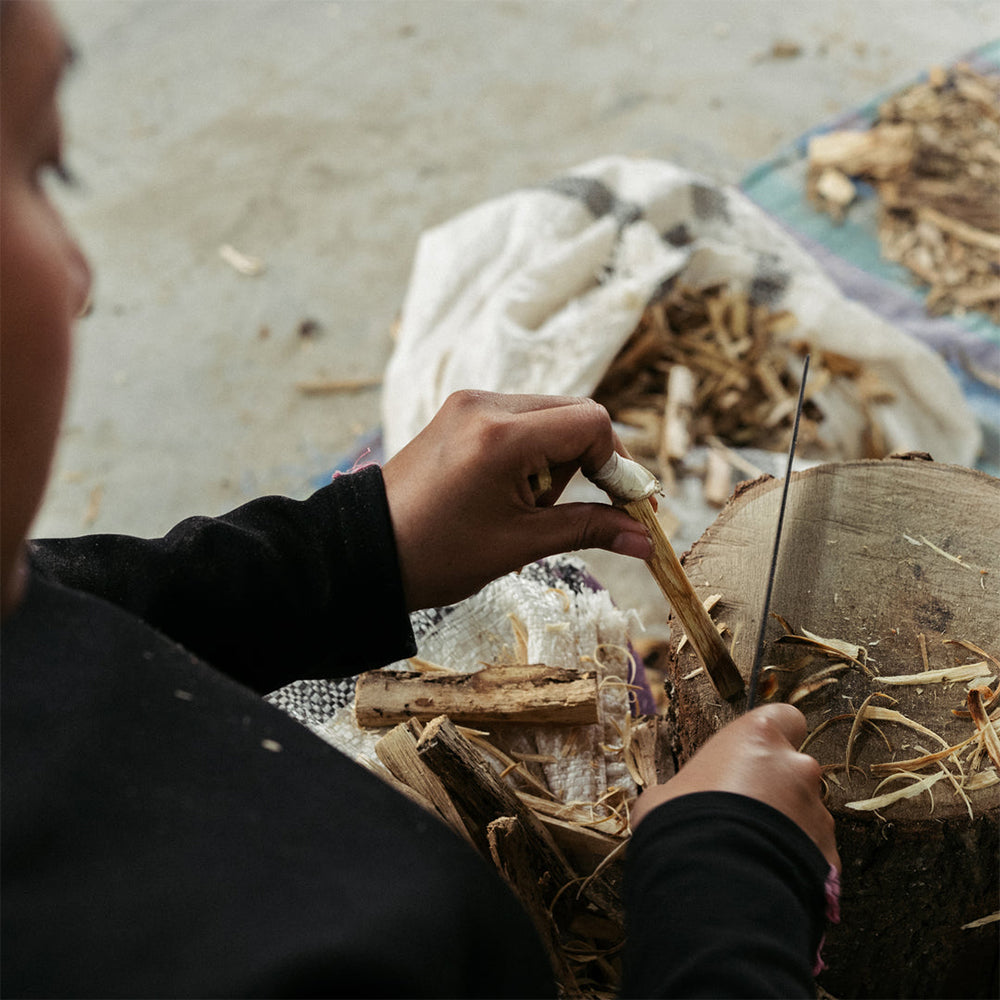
column 583, row 532
column 808, row 768
column 463, row 399
column 594, row 414
column 488, row 432
column 782, row 722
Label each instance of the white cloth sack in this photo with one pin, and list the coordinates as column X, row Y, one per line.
column 563, row 622
column 537, row 291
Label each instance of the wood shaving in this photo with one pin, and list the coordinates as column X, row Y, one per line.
column 982, row 921
column 919, row 786
column 947, row 675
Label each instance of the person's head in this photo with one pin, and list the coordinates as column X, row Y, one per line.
column 44, row 278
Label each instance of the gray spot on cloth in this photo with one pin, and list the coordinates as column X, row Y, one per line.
column 678, row 236
column 709, row 202
column 769, row 281
column 598, row 198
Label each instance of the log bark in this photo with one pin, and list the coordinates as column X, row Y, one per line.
column 876, row 553
column 523, row 693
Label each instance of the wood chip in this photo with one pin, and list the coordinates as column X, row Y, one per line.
column 933, row 156
column 327, row 386
column 241, row 262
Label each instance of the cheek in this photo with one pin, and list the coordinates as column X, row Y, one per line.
column 42, row 277
column 45, row 284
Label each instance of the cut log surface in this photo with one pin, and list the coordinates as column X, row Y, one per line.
column 901, row 557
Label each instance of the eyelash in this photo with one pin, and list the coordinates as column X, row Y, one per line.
column 63, row 174
column 56, row 167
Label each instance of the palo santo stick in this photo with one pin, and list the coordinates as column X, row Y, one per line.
column 687, row 606
column 676, row 440
column 397, row 750
column 513, row 851
column 524, row 693
column 718, row 479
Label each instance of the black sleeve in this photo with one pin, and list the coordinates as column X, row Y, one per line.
column 275, row 591
column 724, row 897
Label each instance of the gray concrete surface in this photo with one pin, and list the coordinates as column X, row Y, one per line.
column 323, row 137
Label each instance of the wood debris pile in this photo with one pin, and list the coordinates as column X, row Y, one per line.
column 969, row 763
column 933, row 157
column 706, row 366
column 563, row 859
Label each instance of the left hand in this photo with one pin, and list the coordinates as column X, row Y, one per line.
column 460, row 493
column 755, row 755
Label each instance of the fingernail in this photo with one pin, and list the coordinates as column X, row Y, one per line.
column 633, row 543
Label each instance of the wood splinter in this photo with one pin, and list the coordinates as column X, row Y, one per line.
column 686, row 604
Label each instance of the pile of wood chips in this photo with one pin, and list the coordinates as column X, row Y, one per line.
column 933, row 157
column 563, row 859
column 705, row 367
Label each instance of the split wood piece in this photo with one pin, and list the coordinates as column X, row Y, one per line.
column 718, row 478
column 523, row 693
column 587, row 847
column 512, row 849
column 641, row 751
column 586, row 841
column 480, row 797
column 676, row 441
column 397, row 750
column 686, row 604
column 883, row 153
column 706, row 363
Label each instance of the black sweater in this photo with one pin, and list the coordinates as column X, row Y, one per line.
column 166, row 832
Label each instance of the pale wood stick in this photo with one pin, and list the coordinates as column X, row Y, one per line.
column 718, row 479
column 317, row 386
column 397, row 750
column 686, row 605
column 525, row 693
column 676, row 440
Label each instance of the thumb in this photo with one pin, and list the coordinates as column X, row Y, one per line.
column 570, row 526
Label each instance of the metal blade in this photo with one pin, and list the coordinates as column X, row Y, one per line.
column 759, row 648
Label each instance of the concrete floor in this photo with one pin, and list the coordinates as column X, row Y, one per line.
column 322, row 138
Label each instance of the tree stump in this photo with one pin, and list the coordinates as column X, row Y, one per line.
column 901, row 557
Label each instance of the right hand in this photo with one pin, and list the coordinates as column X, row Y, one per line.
column 756, row 755
column 461, row 498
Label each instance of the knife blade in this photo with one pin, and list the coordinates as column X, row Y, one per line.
column 759, row 647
